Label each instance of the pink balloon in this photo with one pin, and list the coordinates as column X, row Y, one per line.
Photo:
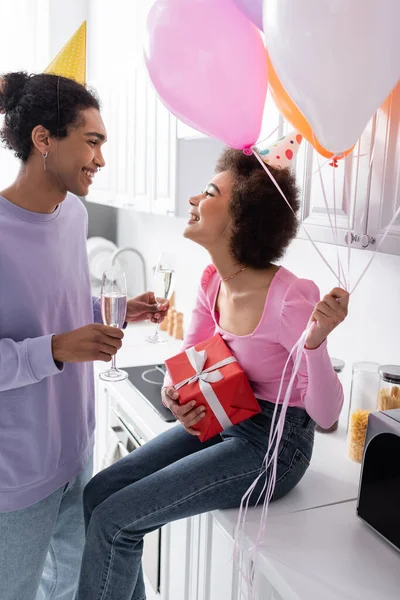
column 208, row 65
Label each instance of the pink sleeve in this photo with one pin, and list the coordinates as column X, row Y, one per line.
column 320, row 388
column 202, row 324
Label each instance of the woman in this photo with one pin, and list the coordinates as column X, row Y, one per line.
column 260, row 310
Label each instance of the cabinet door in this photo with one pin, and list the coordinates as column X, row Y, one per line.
column 263, row 590
column 178, row 579
column 343, row 185
column 327, row 217
column 218, row 573
column 140, row 140
column 336, row 200
column 162, row 140
column 101, row 411
column 116, row 70
column 384, row 190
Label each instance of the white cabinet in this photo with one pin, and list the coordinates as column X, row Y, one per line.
column 179, row 562
column 357, row 199
column 101, row 434
column 142, row 133
column 360, row 199
column 263, row 588
column 384, row 188
column 218, row 573
column 116, row 70
column 335, row 200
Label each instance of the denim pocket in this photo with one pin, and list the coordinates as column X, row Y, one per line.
column 290, row 472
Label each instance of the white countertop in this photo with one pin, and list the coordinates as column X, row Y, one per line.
column 313, row 535
column 136, row 351
column 329, row 554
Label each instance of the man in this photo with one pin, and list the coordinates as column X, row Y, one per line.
column 50, row 332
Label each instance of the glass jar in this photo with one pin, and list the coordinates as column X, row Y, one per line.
column 389, row 389
column 338, row 366
column 363, row 400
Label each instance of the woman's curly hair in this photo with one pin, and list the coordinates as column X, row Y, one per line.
column 48, row 100
column 262, row 223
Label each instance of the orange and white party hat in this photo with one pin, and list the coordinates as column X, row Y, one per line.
column 71, row 60
column 282, row 153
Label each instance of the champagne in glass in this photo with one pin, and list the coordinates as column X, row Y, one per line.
column 113, row 302
column 164, row 286
column 113, row 309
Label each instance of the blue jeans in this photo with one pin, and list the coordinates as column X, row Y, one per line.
column 173, row 477
column 41, row 546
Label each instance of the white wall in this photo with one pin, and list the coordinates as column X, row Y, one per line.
column 34, row 32
column 64, row 20
column 369, row 333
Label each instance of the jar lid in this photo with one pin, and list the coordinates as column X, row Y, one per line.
column 337, row 364
column 390, row 373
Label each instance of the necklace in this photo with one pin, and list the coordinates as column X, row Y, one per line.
column 234, row 275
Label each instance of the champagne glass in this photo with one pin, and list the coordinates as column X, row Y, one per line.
column 164, row 286
column 113, row 311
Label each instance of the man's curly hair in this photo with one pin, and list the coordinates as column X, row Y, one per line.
column 48, row 100
column 262, row 223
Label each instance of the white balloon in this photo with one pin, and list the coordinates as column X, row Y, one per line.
column 337, row 59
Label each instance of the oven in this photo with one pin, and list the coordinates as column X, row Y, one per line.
column 122, row 439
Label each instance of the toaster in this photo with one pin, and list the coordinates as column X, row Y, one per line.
column 379, row 491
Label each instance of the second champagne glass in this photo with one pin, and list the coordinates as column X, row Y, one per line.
column 113, row 311
column 164, row 286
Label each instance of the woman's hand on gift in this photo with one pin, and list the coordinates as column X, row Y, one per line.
column 327, row 315
column 188, row 414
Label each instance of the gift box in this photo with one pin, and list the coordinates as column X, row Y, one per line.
column 209, row 374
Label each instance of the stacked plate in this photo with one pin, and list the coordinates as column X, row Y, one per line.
column 100, row 252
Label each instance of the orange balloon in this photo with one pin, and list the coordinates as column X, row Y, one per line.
column 291, row 113
column 392, row 102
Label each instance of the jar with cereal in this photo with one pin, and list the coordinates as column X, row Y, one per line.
column 389, row 392
column 363, row 400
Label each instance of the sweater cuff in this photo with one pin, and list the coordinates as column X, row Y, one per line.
column 317, row 352
column 40, row 357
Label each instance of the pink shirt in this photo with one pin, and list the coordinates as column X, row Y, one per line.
column 262, row 354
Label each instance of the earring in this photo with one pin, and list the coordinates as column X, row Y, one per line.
column 45, row 155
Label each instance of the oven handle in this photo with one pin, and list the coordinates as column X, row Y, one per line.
column 136, row 439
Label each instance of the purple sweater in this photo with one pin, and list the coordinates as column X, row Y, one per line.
column 46, row 413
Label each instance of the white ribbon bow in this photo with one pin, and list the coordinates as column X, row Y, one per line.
column 205, row 377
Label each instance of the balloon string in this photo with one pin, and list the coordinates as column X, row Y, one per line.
column 269, row 466
column 387, row 229
column 268, row 136
column 264, row 166
column 349, row 215
column 333, row 227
